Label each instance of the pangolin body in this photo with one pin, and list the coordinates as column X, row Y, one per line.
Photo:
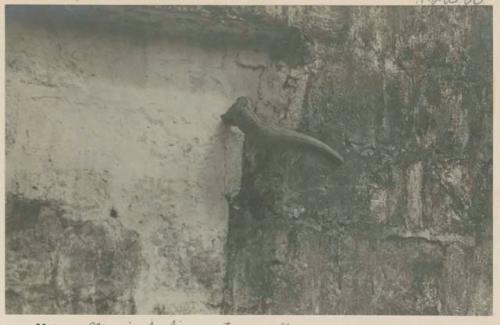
column 241, row 115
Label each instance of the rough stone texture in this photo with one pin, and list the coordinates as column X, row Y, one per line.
column 405, row 226
column 142, row 202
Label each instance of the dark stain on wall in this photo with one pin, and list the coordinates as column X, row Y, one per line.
column 57, row 265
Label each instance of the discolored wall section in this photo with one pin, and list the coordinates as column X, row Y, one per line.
column 125, row 194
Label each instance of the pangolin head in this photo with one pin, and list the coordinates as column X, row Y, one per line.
column 237, row 112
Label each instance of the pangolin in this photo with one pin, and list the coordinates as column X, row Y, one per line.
column 241, row 115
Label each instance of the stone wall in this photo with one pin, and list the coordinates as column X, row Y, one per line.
column 405, row 225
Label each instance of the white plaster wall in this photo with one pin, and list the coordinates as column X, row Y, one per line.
column 101, row 122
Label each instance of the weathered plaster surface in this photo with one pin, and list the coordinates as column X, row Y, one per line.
column 116, row 157
column 121, row 132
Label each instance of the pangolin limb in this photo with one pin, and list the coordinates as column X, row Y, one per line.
column 241, row 115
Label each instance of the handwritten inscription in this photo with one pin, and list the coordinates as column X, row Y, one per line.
column 170, row 322
column 450, row 2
